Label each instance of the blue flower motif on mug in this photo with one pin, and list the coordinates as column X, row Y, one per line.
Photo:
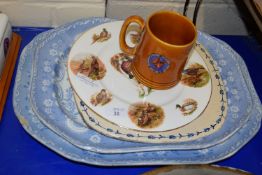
column 158, row 63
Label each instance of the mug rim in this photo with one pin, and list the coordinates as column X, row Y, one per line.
column 166, row 43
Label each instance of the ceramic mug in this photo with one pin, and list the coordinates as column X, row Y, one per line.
column 166, row 41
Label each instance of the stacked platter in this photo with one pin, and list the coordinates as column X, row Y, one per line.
column 95, row 117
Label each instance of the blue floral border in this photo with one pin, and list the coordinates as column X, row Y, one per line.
column 88, row 139
column 44, row 135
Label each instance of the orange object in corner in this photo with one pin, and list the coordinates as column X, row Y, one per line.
column 8, row 70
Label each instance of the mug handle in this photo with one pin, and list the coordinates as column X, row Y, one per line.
column 122, row 37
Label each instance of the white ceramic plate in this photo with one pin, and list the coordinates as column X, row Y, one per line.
column 211, row 119
column 97, row 71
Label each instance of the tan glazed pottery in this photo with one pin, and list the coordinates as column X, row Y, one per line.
column 165, row 44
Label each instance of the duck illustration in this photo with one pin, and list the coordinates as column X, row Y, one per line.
column 188, row 107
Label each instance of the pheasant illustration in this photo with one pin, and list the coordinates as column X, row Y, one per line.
column 103, row 36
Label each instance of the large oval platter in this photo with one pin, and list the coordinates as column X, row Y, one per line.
column 31, row 123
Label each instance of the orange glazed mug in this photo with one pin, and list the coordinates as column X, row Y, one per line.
column 164, row 47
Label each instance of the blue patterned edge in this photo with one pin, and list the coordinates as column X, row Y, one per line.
column 35, row 128
column 128, row 146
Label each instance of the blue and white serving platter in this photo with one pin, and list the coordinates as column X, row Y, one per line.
column 44, row 135
column 53, row 101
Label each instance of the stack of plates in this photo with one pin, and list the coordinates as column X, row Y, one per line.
column 93, row 117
